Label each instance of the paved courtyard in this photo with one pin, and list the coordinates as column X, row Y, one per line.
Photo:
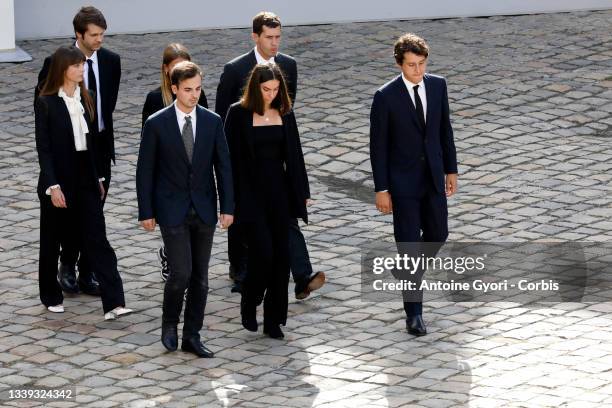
column 531, row 102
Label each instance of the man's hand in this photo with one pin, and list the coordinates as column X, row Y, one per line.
column 102, row 192
column 309, row 202
column 383, row 202
column 225, row 220
column 148, row 225
column 57, row 198
column 451, row 184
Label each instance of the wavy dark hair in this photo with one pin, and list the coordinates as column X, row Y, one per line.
column 409, row 42
column 252, row 98
column 61, row 59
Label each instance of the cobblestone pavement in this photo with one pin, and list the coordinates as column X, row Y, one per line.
column 531, row 100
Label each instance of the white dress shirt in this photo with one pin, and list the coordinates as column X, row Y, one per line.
column 180, row 116
column 262, row 60
column 96, row 69
column 422, row 94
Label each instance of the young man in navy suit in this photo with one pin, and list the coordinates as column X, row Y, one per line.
column 267, row 37
column 414, row 162
column 102, row 76
column 180, row 148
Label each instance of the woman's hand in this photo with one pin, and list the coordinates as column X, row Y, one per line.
column 57, row 198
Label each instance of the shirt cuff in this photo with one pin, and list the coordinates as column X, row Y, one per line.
column 48, row 191
column 101, row 179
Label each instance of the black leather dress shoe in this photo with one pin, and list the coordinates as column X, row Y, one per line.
column 248, row 315
column 195, row 346
column 415, row 325
column 169, row 337
column 66, row 277
column 88, row 284
column 274, row 331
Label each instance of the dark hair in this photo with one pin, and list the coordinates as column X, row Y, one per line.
column 88, row 15
column 171, row 52
column 410, row 43
column 61, row 59
column 265, row 18
column 184, row 70
column 252, row 98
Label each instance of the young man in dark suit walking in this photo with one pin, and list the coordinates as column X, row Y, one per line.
column 180, row 148
column 413, row 157
column 102, row 76
column 266, row 36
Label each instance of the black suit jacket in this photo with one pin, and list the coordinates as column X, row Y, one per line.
column 167, row 184
column 109, row 67
column 236, row 73
column 155, row 102
column 398, row 145
column 239, row 131
column 56, row 150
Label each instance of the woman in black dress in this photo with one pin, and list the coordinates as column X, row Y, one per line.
column 270, row 185
column 69, row 189
column 158, row 99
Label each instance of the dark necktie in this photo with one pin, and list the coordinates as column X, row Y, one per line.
column 91, row 78
column 187, row 135
column 419, row 107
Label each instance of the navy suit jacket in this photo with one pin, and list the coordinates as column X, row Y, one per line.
column 167, row 184
column 236, row 74
column 398, row 145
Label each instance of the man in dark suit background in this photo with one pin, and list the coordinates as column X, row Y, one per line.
column 181, row 145
column 102, row 76
column 413, row 156
column 266, row 36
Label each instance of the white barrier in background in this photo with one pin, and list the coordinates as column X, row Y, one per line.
column 53, row 18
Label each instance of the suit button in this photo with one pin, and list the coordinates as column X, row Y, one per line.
column 422, row 158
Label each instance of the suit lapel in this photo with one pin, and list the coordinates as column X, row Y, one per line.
column 430, row 100
column 104, row 77
column 407, row 101
column 175, row 132
column 201, row 135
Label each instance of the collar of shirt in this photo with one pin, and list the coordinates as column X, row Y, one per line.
column 411, row 86
column 180, row 116
column 262, row 60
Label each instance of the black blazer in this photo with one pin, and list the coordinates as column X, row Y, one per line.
column 109, row 67
column 56, row 150
column 155, row 102
column 236, row 73
column 167, row 184
column 239, row 131
column 398, row 144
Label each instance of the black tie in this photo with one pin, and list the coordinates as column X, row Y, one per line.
column 91, row 78
column 419, row 107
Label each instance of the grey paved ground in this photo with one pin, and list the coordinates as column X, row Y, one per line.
column 531, row 99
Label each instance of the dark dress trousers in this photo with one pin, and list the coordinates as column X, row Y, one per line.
column 155, row 102
column 181, row 195
column 82, row 221
column 410, row 161
column 109, row 69
column 233, row 79
column 271, row 186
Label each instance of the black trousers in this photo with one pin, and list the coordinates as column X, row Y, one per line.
column 82, row 222
column 299, row 260
column 420, row 219
column 73, row 251
column 188, row 248
column 268, row 268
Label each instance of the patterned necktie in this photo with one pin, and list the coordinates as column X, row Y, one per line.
column 419, row 107
column 187, row 135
